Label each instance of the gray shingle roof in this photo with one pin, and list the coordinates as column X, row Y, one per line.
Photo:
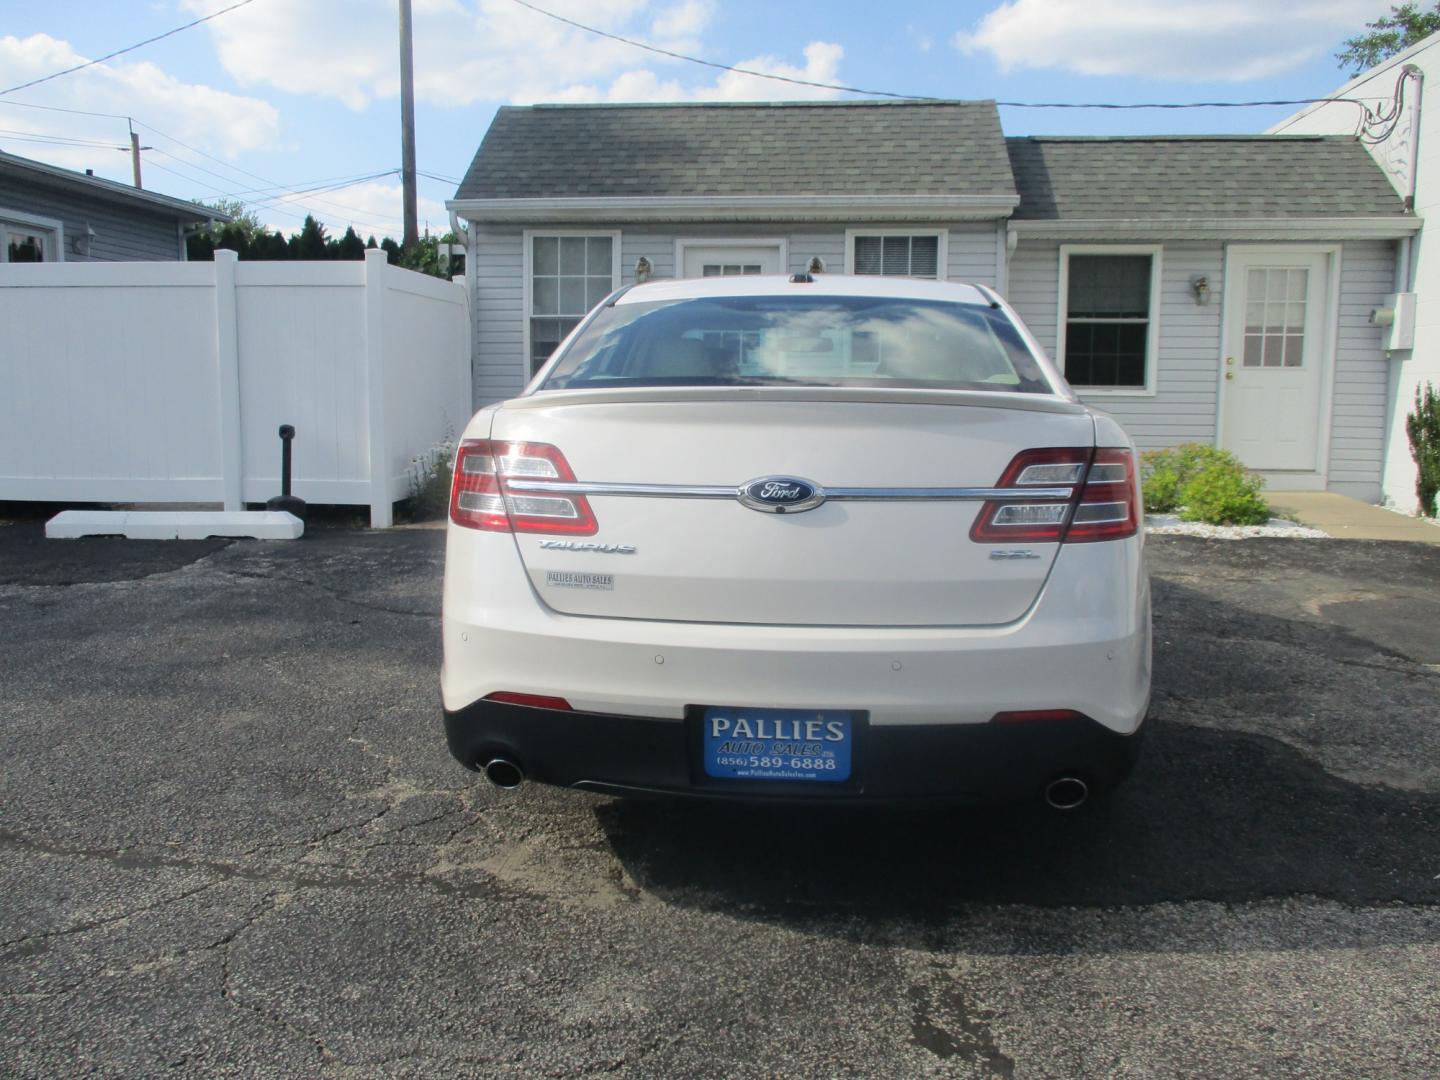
column 109, row 190
column 1262, row 176
column 754, row 149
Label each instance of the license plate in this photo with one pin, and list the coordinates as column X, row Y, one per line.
column 777, row 744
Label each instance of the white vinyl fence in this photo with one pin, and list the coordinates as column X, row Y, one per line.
column 168, row 382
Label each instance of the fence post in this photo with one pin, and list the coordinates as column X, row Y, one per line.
column 227, row 355
column 381, row 506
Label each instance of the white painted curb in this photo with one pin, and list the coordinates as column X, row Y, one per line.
column 175, row 524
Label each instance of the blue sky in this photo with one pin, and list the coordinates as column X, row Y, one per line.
column 282, row 94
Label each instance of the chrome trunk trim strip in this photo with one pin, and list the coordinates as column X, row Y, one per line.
column 849, row 494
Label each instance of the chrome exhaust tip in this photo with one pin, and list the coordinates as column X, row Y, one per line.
column 1067, row 793
column 503, row 773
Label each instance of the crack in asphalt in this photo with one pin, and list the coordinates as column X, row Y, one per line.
column 134, row 859
column 96, row 924
column 257, row 911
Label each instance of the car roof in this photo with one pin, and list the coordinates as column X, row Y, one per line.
column 820, row 285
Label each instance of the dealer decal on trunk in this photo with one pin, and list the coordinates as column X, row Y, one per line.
column 569, row 579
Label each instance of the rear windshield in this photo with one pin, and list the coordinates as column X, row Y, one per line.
column 800, row 340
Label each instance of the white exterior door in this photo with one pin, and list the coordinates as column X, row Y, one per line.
column 1277, row 321
column 725, row 259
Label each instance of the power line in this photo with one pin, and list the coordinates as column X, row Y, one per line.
column 59, row 140
column 236, row 168
column 437, row 176
column 57, row 108
column 128, row 48
column 712, row 63
column 920, row 97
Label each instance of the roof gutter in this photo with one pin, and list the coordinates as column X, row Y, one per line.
column 690, row 208
column 1273, row 228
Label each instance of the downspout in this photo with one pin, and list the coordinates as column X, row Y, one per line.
column 1413, row 72
column 472, row 300
column 1404, row 258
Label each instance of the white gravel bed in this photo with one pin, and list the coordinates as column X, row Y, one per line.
column 1170, row 525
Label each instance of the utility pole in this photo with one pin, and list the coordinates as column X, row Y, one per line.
column 407, row 130
column 135, row 158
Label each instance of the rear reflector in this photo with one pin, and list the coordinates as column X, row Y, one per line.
column 535, row 701
column 481, row 499
column 1104, row 503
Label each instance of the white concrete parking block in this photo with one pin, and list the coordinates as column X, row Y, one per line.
column 175, row 524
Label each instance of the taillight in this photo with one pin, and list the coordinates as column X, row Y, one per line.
column 1110, row 502
column 480, row 497
column 1102, row 504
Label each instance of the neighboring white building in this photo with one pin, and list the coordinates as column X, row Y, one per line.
column 1404, row 138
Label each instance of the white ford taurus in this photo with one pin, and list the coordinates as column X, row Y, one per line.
column 830, row 538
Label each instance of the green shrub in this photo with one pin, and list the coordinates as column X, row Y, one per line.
column 1224, row 493
column 1164, row 473
column 1423, row 427
column 1204, row 483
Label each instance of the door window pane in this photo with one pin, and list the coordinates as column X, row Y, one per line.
column 1276, row 303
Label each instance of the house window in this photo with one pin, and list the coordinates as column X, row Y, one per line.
column 569, row 275
column 897, row 254
column 1108, row 302
column 28, row 241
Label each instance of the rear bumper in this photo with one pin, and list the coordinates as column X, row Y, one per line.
column 639, row 755
column 1084, row 645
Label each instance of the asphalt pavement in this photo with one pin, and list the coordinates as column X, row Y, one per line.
column 232, row 843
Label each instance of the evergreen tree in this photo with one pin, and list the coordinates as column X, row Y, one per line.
column 309, row 242
column 350, row 246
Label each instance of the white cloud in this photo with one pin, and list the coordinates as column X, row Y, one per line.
column 1232, row 40
column 219, row 123
column 487, row 50
column 822, row 61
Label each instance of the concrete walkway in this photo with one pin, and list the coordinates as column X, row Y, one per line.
column 1351, row 519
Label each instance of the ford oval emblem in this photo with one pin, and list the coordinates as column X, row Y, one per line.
column 781, row 494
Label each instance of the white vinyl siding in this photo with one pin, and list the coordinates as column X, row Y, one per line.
column 1362, row 373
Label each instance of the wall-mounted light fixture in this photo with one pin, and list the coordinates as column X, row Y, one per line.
column 81, row 242
column 643, row 269
column 1200, row 286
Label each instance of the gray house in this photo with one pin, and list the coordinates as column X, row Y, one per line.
column 1211, row 289
column 50, row 214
